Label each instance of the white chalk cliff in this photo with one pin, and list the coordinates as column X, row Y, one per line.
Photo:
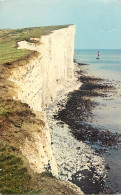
column 38, row 83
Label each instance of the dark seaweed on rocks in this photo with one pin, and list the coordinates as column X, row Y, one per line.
column 95, row 185
column 79, row 108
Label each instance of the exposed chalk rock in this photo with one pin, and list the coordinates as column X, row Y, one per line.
column 38, row 150
column 39, row 81
column 41, row 78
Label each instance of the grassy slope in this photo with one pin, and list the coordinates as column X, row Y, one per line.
column 9, row 38
column 14, row 176
column 17, row 121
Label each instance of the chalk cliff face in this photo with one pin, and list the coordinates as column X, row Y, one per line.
column 38, row 83
column 38, row 149
column 41, row 78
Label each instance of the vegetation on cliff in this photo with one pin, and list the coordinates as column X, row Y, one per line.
column 9, row 38
column 14, row 177
column 18, row 122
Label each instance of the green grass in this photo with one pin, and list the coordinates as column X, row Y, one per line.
column 9, row 38
column 9, row 52
column 14, row 176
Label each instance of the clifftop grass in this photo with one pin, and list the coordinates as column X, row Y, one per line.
column 9, row 38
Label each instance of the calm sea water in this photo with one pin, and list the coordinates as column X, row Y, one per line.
column 109, row 65
column 107, row 114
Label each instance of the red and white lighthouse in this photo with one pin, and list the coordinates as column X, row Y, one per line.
column 98, row 55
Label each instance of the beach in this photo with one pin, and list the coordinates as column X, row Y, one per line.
column 72, row 155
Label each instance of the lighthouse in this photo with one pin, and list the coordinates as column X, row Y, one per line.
column 98, row 55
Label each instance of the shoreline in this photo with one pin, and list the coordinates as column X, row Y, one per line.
column 73, row 156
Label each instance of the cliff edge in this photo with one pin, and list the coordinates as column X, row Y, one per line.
column 28, row 85
column 41, row 78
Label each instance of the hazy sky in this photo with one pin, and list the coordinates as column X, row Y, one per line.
column 98, row 22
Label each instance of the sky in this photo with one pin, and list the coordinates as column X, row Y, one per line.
column 98, row 22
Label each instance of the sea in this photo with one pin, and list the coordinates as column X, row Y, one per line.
column 107, row 113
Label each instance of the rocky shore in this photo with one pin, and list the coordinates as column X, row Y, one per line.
column 77, row 146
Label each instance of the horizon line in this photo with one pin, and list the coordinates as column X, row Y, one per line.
column 97, row 49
